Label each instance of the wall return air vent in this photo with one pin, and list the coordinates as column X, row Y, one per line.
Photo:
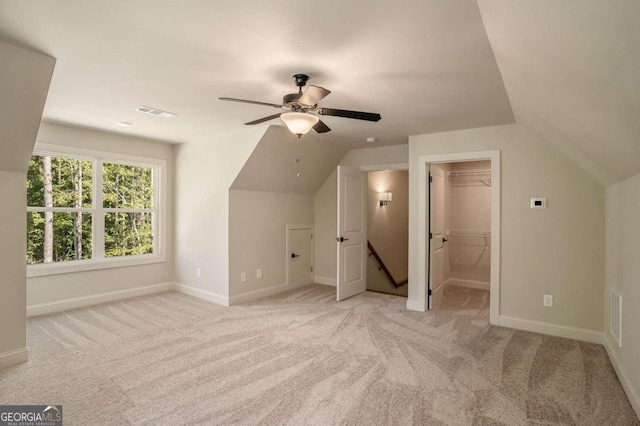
column 616, row 317
column 155, row 112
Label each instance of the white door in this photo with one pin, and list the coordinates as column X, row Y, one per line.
column 352, row 233
column 435, row 290
column 299, row 256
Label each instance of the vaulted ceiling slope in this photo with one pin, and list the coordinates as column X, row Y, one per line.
column 567, row 70
column 283, row 163
column 572, row 73
column 425, row 66
column 24, row 79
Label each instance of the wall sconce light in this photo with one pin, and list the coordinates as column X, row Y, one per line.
column 384, row 198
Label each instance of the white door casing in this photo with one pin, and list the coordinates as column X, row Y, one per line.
column 299, row 255
column 435, row 290
column 351, row 233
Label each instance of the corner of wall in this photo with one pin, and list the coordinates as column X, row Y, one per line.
column 632, row 392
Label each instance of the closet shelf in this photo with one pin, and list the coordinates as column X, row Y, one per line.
column 475, row 177
column 474, row 172
column 470, row 233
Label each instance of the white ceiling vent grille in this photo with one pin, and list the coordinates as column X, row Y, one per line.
column 155, row 112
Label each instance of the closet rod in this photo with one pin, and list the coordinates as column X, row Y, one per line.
column 470, row 233
column 475, row 172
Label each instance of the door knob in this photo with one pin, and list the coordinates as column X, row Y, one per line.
column 444, row 240
column 293, row 255
column 341, row 239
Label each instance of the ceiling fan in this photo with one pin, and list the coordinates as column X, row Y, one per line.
column 301, row 109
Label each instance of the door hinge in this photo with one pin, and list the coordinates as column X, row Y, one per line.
column 430, row 178
column 429, row 292
column 311, row 235
column 430, row 236
column 312, row 269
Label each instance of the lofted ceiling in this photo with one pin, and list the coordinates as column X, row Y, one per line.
column 566, row 70
column 572, row 72
column 425, row 66
column 282, row 163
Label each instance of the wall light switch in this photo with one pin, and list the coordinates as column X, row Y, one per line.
column 258, row 273
column 548, row 300
column 243, row 277
column 197, row 272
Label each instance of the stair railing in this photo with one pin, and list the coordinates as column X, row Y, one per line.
column 383, row 267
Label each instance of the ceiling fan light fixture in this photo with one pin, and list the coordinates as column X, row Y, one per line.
column 299, row 123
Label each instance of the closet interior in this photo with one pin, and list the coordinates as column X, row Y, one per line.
column 468, row 225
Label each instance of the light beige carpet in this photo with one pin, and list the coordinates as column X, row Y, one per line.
column 302, row 358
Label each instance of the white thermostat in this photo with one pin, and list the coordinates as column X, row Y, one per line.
column 538, row 203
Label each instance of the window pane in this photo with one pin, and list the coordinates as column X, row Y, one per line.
column 68, row 184
column 128, row 234
column 127, row 187
column 67, row 237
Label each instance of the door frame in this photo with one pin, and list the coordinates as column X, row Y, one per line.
column 289, row 228
column 423, row 225
column 389, row 167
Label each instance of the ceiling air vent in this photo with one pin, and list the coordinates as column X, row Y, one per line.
column 156, row 112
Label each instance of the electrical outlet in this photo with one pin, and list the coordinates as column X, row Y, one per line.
column 197, row 272
column 243, row 277
column 548, row 300
column 258, row 273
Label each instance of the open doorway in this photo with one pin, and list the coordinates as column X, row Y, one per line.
column 423, row 292
column 388, row 231
column 460, row 235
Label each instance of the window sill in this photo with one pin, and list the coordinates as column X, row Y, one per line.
column 72, row 266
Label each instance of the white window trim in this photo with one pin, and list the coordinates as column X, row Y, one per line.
column 160, row 221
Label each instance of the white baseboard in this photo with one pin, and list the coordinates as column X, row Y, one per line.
column 414, row 306
column 14, row 357
column 324, row 280
column 632, row 394
column 576, row 333
column 202, row 294
column 95, row 299
column 250, row 296
column 459, row 282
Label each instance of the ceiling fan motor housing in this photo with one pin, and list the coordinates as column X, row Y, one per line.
column 291, row 100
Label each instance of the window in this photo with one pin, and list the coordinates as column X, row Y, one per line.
column 91, row 211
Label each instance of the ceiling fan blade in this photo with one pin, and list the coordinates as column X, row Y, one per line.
column 251, row 102
column 320, row 127
column 313, row 94
column 358, row 115
column 263, row 119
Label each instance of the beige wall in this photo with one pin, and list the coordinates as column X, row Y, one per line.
column 325, row 212
column 50, row 289
column 395, row 154
column 13, row 313
column 622, row 272
column 557, row 251
column 388, row 226
column 204, row 173
column 257, row 238
column 24, row 82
